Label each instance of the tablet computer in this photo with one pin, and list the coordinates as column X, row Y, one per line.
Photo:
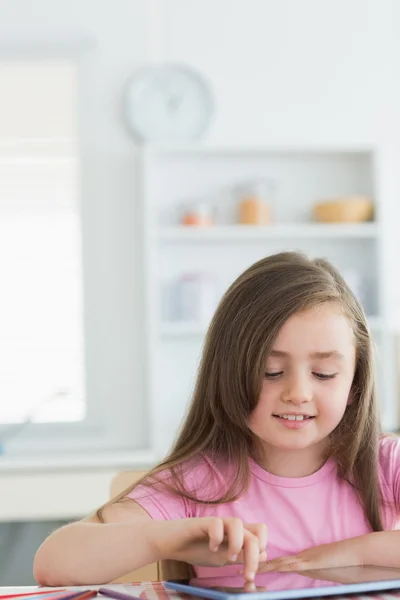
column 289, row 586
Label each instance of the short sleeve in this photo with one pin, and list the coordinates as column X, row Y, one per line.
column 200, row 479
column 159, row 503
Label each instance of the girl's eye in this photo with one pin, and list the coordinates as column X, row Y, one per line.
column 274, row 375
column 320, row 376
column 324, row 376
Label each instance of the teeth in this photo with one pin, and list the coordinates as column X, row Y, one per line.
column 293, row 417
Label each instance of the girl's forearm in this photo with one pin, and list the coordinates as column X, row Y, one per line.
column 381, row 548
column 92, row 553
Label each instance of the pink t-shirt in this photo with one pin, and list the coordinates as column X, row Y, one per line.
column 299, row 512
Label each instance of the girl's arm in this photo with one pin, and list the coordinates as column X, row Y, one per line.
column 380, row 549
column 89, row 552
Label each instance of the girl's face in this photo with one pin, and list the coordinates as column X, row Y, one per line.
column 307, row 381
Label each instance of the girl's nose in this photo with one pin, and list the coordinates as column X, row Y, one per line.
column 297, row 390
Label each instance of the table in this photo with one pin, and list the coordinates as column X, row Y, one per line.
column 154, row 590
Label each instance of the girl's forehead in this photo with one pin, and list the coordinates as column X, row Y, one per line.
column 324, row 328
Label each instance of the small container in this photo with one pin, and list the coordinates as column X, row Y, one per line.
column 255, row 203
column 196, row 297
column 200, row 215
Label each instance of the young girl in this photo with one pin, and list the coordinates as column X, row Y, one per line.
column 282, row 433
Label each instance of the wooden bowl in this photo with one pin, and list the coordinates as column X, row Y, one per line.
column 350, row 209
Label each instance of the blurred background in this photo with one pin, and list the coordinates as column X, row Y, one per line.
column 151, row 150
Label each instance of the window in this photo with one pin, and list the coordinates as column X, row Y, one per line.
column 41, row 308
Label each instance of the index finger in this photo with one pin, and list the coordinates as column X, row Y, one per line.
column 260, row 531
column 251, row 555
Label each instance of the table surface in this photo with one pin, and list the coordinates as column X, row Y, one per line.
column 146, row 587
column 155, row 590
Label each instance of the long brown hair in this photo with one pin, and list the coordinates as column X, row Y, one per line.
column 231, row 371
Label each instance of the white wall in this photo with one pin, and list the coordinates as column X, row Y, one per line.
column 284, row 71
column 293, row 70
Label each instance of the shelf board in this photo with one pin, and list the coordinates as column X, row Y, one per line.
column 264, row 233
column 239, row 149
column 187, row 329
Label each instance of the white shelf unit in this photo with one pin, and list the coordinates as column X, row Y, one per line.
column 173, row 177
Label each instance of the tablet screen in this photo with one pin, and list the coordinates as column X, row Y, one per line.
column 280, row 586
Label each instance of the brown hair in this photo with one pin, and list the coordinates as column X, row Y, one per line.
column 231, row 371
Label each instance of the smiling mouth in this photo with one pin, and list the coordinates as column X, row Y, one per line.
column 288, row 417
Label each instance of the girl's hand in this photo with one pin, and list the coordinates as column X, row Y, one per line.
column 213, row 542
column 346, row 553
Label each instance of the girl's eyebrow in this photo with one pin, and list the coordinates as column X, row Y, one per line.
column 320, row 355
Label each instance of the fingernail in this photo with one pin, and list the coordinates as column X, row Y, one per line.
column 233, row 558
column 250, row 576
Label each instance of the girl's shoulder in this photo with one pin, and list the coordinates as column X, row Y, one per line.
column 200, row 477
column 181, row 491
column 203, row 476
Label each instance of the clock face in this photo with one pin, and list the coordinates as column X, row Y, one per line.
column 167, row 104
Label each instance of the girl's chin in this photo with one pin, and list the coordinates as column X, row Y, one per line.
column 289, row 442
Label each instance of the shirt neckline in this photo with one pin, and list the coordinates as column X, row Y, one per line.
column 292, row 482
